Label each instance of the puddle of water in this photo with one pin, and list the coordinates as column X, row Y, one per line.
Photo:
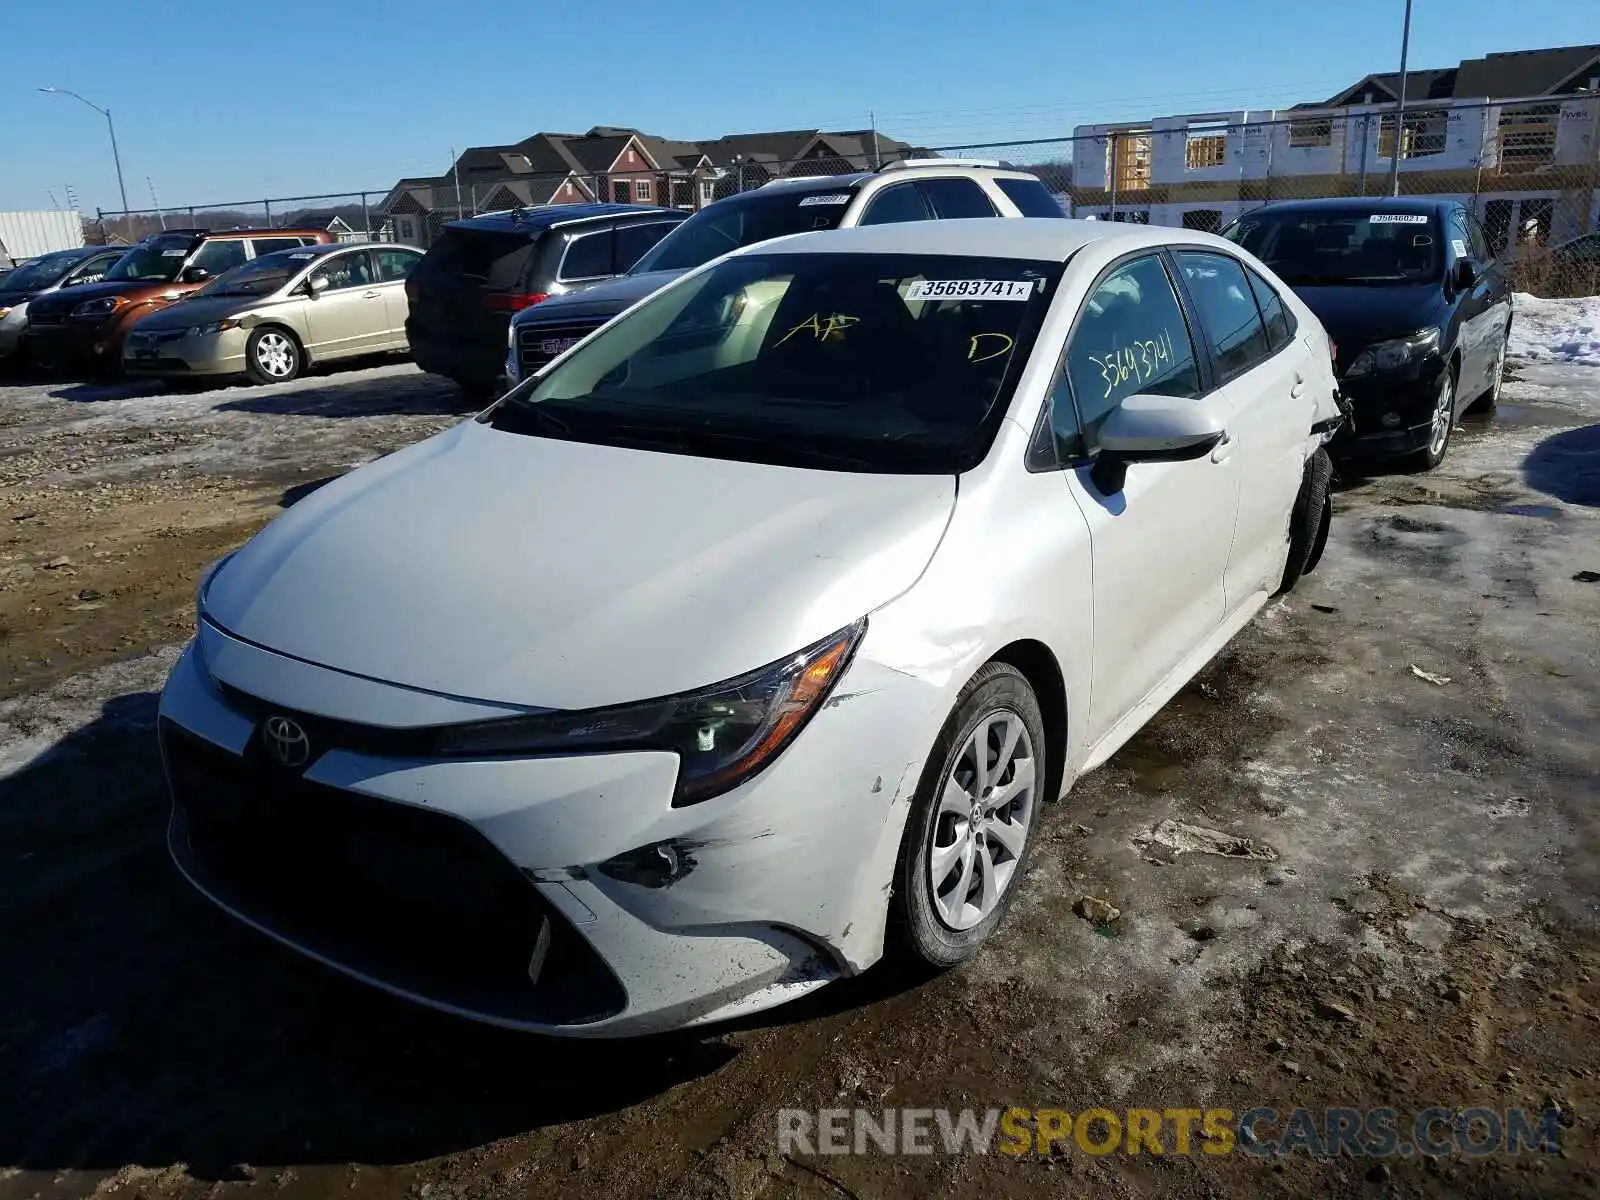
column 1549, row 511
column 1518, row 416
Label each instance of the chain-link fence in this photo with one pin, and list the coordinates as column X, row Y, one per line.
column 1530, row 171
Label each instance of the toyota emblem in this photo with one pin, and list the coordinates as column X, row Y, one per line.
column 286, row 742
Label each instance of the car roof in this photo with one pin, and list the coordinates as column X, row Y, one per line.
column 1040, row 238
column 1397, row 204
column 521, row 220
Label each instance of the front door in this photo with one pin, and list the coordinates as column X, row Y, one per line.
column 349, row 315
column 1160, row 545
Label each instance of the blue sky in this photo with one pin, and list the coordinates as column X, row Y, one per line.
column 369, row 92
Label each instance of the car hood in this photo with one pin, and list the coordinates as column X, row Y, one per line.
column 602, row 300
column 531, row 571
column 67, row 299
column 1366, row 314
column 10, row 298
column 198, row 310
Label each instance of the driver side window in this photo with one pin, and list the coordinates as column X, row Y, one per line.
column 1131, row 338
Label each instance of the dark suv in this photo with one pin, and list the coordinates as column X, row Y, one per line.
column 1417, row 307
column 483, row 269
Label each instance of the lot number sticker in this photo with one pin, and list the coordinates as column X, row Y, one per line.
column 1398, row 219
column 830, row 198
column 970, row 289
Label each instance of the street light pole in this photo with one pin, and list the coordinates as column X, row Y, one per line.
column 116, row 155
column 1400, row 109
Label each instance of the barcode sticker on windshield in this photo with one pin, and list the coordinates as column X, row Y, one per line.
column 1398, row 219
column 173, row 253
column 830, row 198
column 970, row 289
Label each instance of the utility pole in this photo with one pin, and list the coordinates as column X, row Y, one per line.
column 160, row 216
column 877, row 158
column 1400, row 109
column 116, row 156
column 455, row 169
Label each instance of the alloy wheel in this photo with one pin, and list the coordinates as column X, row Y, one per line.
column 1444, row 414
column 981, row 828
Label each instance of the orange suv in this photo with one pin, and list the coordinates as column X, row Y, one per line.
column 81, row 328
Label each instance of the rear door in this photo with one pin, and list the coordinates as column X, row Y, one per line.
column 466, row 287
column 394, row 265
column 1263, row 374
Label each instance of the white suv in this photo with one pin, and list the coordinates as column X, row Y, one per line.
column 919, row 189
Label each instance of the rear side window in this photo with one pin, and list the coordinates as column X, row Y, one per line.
column 1274, row 314
column 634, row 240
column 588, row 256
column 1031, row 197
column 94, row 269
column 956, row 199
column 268, row 245
column 395, row 264
column 1227, row 309
column 219, row 256
column 466, row 257
column 903, row 202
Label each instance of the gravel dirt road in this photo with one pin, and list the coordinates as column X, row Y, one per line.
column 1416, row 927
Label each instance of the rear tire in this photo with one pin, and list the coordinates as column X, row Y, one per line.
column 971, row 825
column 273, row 355
column 1490, row 398
column 1308, row 521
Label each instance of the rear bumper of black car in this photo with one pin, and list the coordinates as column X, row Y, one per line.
column 468, row 361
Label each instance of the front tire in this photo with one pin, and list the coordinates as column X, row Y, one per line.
column 273, row 355
column 971, row 824
column 1444, row 421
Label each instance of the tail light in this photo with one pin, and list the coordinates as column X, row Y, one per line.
column 513, row 301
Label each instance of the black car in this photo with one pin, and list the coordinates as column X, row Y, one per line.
column 44, row 274
column 1413, row 298
column 483, row 269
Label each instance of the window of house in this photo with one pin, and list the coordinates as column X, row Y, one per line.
column 708, row 191
column 1311, row 134
column 1128, row 160
column 588, row 257
column 956, row 199
column 1423, row 134
column 1526, row 135
column 641, row 190
column 1205, row 145
column 1231, row 321
column 1131, row 338
column 404, row 228
column 619, row 191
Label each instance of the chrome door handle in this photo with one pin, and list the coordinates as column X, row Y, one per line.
column 371, row 295
column 1223, row 448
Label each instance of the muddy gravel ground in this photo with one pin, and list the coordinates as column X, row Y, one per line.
column 1417, row 926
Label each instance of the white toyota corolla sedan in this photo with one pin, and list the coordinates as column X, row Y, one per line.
column 741, row 646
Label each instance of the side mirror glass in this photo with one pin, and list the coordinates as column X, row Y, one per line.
column 1465, row 275
column 1146, row 428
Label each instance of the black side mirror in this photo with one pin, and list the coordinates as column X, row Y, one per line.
column 195, row 275
column 1464, row 275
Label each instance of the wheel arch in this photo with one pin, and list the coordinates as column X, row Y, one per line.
column 1040, row 668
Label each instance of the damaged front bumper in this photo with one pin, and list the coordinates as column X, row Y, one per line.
column 561, row 894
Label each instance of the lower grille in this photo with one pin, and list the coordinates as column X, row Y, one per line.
column 538, row 344
column 416, row 899
column 43, row 320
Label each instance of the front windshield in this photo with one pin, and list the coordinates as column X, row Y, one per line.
column 156, row 261
column 872, row 362
column 260, row 276
column 732, row 224
column 1343, row 246
column 40, row 272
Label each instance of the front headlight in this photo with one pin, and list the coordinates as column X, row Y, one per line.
column 723, row 734
column 4, row 312
column 212, row 327
column 102, row 307
column 1392, row 355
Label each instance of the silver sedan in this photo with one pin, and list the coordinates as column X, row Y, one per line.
column 274, row 315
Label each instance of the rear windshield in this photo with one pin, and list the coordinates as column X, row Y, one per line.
column 1355, row 246
column 40, row 272
column 157, row 261
column 891, row 363
column 1031, row 197
column 477, row 258
column 730, row 224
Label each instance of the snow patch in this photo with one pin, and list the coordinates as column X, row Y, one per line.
column 1566, row 331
